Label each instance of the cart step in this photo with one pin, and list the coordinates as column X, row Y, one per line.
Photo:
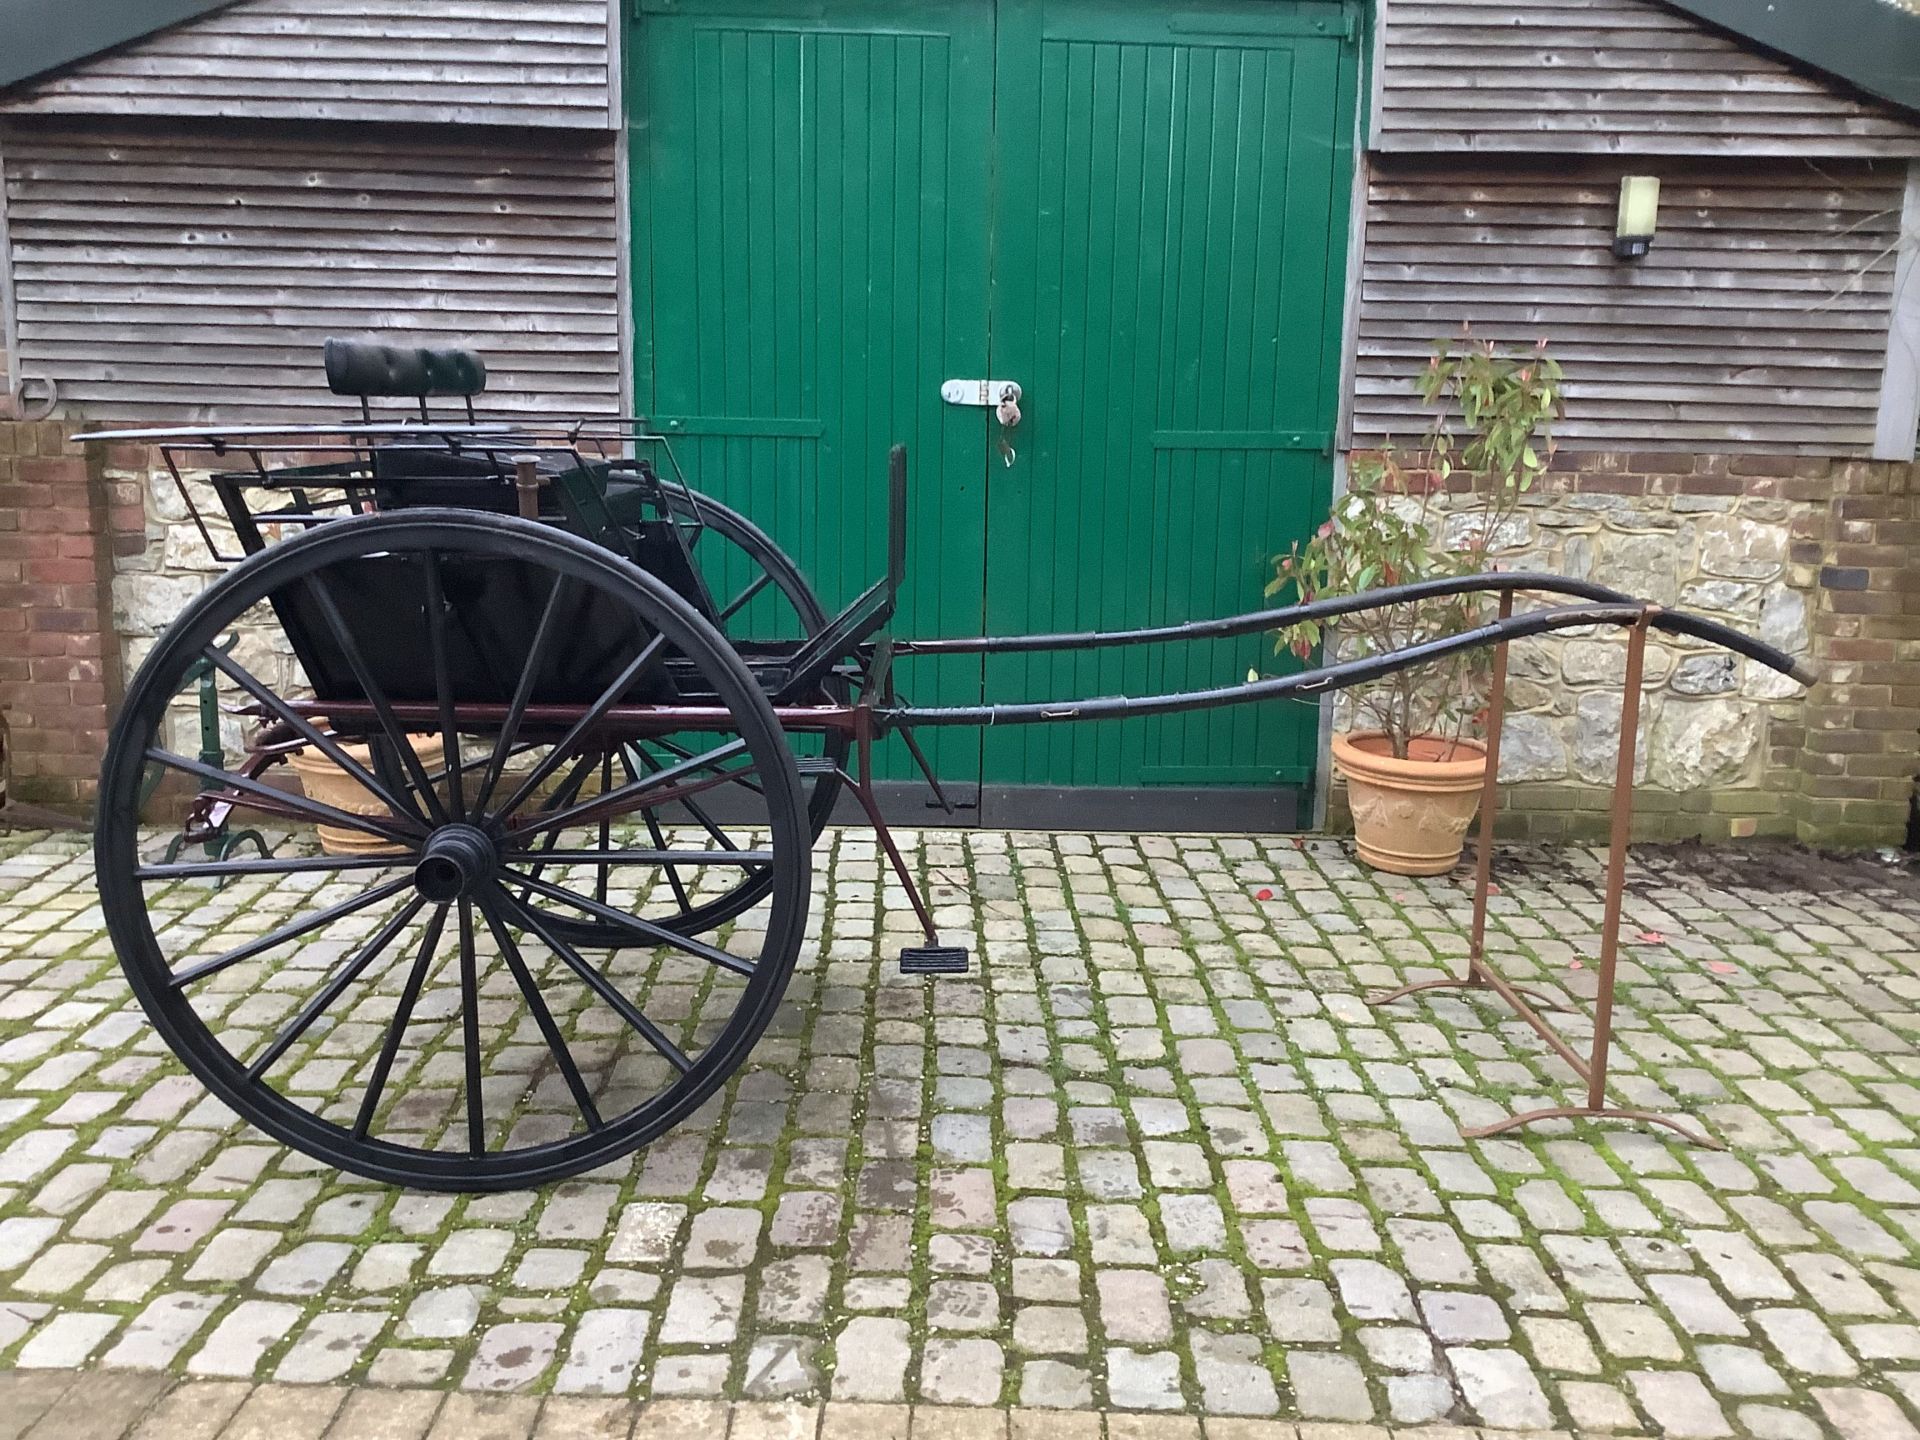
column 933, row 960
column 814, row 764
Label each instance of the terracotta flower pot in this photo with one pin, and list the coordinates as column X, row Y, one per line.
column 326, row 782
column 1410, row 816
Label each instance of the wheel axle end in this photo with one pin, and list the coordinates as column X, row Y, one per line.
column 457, row 860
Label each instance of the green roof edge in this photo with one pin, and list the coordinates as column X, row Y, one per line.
column 1873, row 45
column 44, row 35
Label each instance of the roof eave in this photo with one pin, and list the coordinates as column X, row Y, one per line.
column 44, row 35
column 1873, row 45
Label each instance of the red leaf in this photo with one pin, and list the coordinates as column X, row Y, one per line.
column 1263, row 894
column 1723, row 967
column 1575, row 965
column 1651, row 937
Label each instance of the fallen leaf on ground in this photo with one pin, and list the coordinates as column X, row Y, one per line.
column 1263, row 894
column 1722, row 967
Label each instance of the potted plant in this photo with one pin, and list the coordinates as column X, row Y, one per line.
column 1413, row 769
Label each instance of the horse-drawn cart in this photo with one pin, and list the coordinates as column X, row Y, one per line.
column 589, row 777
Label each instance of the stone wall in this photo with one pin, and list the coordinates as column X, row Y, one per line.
column 167, row 567
column 1814, row 556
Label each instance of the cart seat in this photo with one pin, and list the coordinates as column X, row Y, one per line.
column 365, row 370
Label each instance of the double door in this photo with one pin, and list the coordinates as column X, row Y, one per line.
column 1135, row 212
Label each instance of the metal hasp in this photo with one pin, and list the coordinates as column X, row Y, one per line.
column 984, row 393
column 1591, row 1067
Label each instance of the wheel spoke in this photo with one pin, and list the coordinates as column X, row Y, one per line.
column 307, row 730
column 659, row 841
column 336, row 985
column 467, row 767
column 735, row 605
column 662, row 856
column 397, row 1030
column 593, row 716
column 522, row 693
column 614, row 801
column 443, row 678
column 470, row 1032
column 376, row 697
column 652, row 933
column 685, row 754
column 606, row 826
column 542, row 1016
column 289, row 865
column 282, row 802
column 597, row 982
column 290, row 931
column 695, row 809
column 563, row 794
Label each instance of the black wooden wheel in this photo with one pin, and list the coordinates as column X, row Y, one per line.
column 408, row 1012
column 760, row 594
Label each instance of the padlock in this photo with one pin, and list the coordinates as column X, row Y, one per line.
column 1008, row 411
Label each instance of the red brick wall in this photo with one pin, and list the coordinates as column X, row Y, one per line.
column 59, row 657
column 1857, row 763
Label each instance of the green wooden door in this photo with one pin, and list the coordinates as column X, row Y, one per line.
column 1136, row 210
column 810, row 230
column 1167, row 283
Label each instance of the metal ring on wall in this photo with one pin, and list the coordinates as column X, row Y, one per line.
column 21, row 410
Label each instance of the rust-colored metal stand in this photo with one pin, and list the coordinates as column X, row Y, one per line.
column 1592, row 1067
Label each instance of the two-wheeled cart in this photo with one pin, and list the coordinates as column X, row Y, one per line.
column 593, row 722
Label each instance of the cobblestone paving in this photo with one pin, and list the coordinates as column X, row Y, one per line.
column 1158, row 1157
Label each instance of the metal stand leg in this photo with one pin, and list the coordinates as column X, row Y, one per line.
column 933, row 958
column 1592, row 1067
column 1476, row 977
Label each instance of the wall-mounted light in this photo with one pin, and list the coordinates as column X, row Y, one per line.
column 1639, row 215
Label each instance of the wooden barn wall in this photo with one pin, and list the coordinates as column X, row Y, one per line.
column 192, row 274
column 477, row 62
column 1608, row 77
column 1757, row 323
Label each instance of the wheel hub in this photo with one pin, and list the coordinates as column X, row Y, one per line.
column 456, row 861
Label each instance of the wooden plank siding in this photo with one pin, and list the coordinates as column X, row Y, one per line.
column 1610, row 77
column 467, row 62
column 1758, row 323
column 191, row 273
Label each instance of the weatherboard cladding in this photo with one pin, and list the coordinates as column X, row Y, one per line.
column 193, row 273
column 470, row 62
column 1606, row 76
column 1757, row 323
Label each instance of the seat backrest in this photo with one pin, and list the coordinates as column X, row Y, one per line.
column 365, row 369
